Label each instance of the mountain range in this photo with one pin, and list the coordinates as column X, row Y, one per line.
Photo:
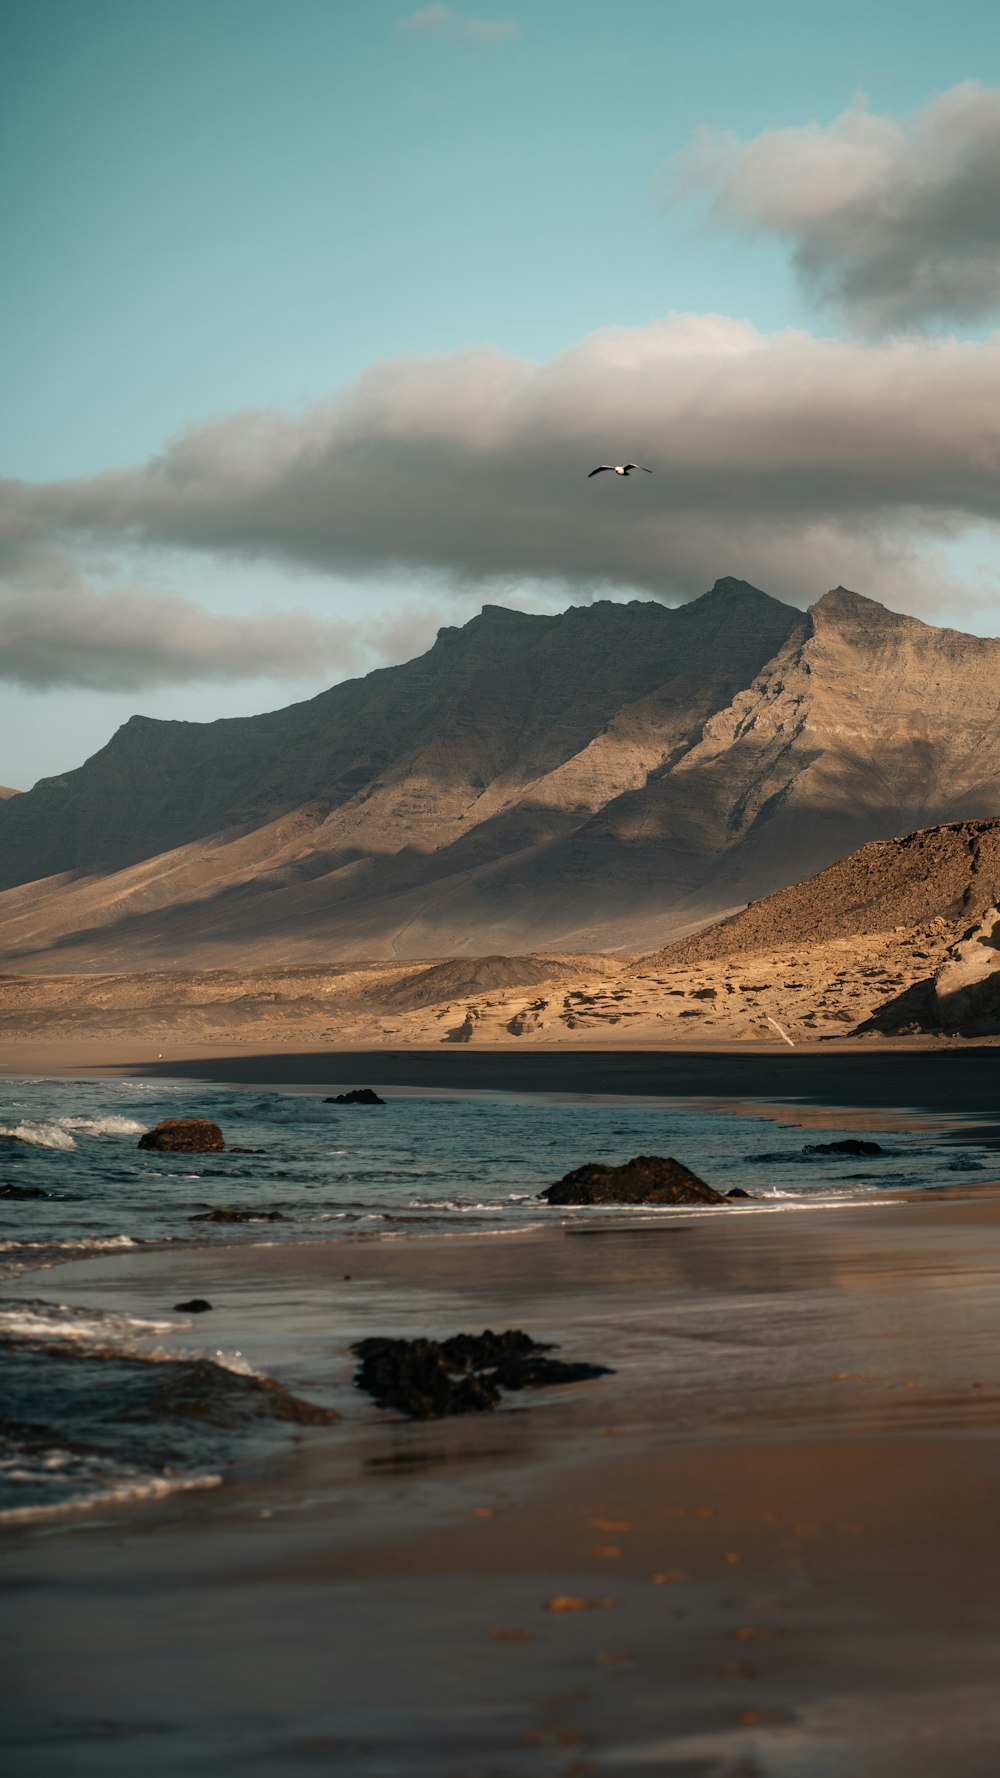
column 609, row 777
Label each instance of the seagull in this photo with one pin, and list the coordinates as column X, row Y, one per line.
column 619, row 468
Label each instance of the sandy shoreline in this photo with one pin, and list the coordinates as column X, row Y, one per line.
column 799, row 1440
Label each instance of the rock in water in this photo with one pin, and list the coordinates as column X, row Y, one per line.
column 184, row 1135
column 237, row 1216
column 855, row 1145
column 197, row 1306
column 647, row 1179
column 357, row 1096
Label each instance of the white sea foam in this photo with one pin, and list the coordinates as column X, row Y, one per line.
column 56, row 1321
column 40, row 1135
column 84, row 1244
column 148, row 1488
column 235, row 1361
column 104, row 1126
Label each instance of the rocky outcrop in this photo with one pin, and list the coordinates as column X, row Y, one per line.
column 357, row 1096
column 966, row 989
column 936, row 873
column 184, row 1135
column 647, row 1179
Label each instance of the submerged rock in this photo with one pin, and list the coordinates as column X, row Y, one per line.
column 846, row 1145
column 646, row 1179
column 237, row 1216
column 429, row 1379
column 543, row 1373
column 184, row 1135
column 357, row 1096
column 197, row 1306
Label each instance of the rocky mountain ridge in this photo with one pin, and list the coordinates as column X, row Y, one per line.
column 601, row 779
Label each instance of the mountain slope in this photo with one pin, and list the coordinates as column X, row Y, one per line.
column 949, row 873
column 606, row 778
column 408, row 752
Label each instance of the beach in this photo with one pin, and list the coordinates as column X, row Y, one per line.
column 766, row 1544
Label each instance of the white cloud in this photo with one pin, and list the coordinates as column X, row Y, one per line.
column 896, row 224
column 442, row 20
column 57, row 628
column 790, row 461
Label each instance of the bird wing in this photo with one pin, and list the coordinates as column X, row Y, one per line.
column 599, row 468
column 628, row 466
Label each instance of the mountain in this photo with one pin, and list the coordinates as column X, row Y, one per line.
column 607, row 777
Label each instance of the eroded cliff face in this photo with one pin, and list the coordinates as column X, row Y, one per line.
column 865, row 725
column 600, row 779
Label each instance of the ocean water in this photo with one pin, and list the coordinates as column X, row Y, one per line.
column 93, row 1410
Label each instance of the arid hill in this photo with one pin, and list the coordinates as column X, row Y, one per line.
column 900, row 940
column 950, row 872
column 605, row 779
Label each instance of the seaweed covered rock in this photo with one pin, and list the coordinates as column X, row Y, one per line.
column 429, row 1379
column 184, row 1135
column 647, row 1179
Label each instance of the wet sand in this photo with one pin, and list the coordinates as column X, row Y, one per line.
column 773, row 1530
column 950, row 1078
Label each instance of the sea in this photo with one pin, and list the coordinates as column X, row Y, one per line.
column 98, row 1406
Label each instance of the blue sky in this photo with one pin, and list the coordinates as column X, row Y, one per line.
column 219, row 205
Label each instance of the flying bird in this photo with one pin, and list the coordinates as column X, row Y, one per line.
column 618, row 468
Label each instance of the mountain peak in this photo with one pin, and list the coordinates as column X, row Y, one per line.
column 840, row 605
column 731, row 588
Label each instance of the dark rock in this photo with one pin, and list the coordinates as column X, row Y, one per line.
column 22, row 1192
column 471, row 1352
column 357, row 1096
column 737, row 1191
column 428, row 1379
column 413, row 1377
column 197, row 1306
column 647, row 1179
column 848, row 1145
column 542, row 1373
column 237, row 1216
column 184, row 1135
column 248, row 1151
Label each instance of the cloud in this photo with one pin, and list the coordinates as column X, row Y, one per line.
column 442, row 20
column 787, row 460
column 59, row 630
column 896, row 224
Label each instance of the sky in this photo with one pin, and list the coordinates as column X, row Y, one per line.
column 317, row 313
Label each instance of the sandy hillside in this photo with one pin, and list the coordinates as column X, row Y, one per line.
column 861, row 950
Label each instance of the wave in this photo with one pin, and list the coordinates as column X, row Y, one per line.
column 47, row 1135
column 39, row 1321
column 81, row 1426
column 149, row 1488
column 83, row 1244
column 110, row 1125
